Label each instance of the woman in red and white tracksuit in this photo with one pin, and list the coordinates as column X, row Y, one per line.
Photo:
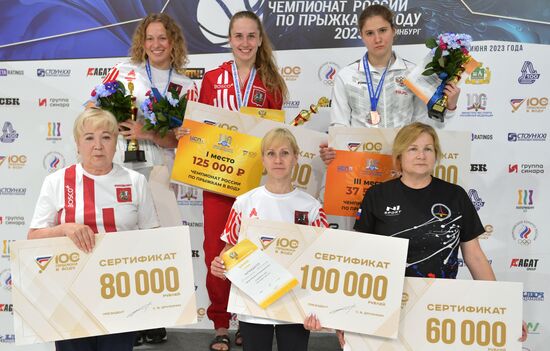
column 250, row 79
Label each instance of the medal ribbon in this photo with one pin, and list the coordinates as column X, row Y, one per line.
column 242, row 100
column 155, row 91
column 374, row 96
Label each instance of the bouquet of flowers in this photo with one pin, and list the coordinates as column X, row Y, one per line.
column 111, row 96
column 449, row 58
column 450, row 53
column 164, row 114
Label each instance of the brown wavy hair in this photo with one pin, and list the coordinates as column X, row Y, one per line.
column 178, row 56
column 265, row 62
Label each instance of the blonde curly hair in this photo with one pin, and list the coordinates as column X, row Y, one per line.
column 178, row 56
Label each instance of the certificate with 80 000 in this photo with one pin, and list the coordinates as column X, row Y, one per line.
column 351, row 281
column 131, row 280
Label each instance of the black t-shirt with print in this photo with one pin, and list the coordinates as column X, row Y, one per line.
column 435, row 219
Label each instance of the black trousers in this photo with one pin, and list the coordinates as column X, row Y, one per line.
column 259, row 337
column 111, row 342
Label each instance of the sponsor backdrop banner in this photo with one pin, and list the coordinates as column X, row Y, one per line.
column 46, row 75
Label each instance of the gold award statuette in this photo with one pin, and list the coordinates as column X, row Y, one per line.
column 305, row 115
column 438, row 109
column 133, row 153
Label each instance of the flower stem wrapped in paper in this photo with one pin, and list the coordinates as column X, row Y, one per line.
column 111, row 96
column 448, row 59
column 164, row 114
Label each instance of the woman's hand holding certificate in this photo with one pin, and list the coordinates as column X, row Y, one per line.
column 263, row 279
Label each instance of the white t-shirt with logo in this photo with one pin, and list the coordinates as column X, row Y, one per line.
column 294, row 207
column 117, row 201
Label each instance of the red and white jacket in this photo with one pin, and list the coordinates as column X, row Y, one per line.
column 218, row 89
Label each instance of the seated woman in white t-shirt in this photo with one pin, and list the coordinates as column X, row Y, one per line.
column 277, row 200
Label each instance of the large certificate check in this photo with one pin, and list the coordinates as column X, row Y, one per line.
column 218, row 160
column 454, row 167
column 132, row 280
column 307, row 175
column 351, row 281
column 453, row 315
column 348, row 178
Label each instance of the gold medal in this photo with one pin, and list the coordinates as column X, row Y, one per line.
column 373, row 117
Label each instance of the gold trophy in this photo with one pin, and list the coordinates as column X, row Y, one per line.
column 305, row 115
column 133, row 153
column 438, row 109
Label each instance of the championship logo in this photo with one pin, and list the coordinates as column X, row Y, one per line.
column 528, row 73
column 266, row 241
column 213, row 17
column 516, row 103
column 371, row 165
column 353, row 146
column 42, row 262
column 477, row 201
column 224, row 140
column 8, row 133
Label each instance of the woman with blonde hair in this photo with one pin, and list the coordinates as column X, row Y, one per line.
column 437, row 217
column 277, row 200
column 157, row 58
column 106, row 197
column 156, row 67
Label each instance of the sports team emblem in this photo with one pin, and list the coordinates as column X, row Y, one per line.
column 124, row 194
column 258, row 96
column 400, row 80
column 441, row 211
column 301, row 217
column 175, row 87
